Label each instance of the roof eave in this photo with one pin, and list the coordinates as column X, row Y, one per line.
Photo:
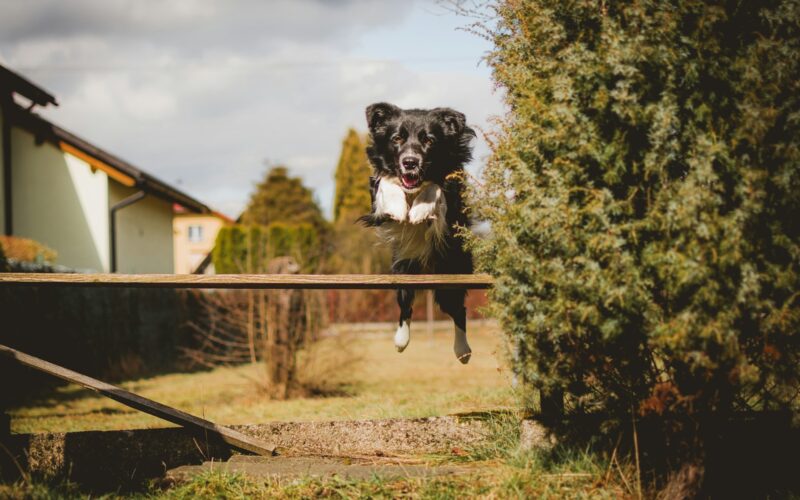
column 44, row 130
column 14, row 82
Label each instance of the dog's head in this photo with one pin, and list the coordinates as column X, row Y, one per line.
column 417, row 145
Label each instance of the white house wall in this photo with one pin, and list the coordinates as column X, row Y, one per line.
column 60, row 201
column 2, row 180
column 144, row 232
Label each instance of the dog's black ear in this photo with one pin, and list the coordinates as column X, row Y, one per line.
column 379, row 113
column 453, row 122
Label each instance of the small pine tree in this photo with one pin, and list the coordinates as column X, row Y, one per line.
column 352, row 197
column 355, row 247
column 280, row 198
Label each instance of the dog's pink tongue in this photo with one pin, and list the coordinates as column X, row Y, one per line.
column 409, row 181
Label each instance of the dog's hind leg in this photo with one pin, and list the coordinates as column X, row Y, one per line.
column 405, row 299
column 452, row 303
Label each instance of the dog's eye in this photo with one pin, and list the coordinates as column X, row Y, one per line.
column 427, row 141
column 398, row 139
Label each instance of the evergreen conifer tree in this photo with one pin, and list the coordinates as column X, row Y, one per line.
column 352, row 198
column 355, row 247
column 280, row 198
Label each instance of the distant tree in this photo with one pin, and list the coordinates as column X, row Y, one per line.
column 354, row 246
column 280, row 198
column 352, row 198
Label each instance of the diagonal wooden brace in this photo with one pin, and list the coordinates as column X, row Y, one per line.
column 191, row 422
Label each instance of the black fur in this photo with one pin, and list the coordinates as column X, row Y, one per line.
column 440, row 142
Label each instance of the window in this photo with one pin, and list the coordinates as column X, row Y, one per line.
column 195, row 233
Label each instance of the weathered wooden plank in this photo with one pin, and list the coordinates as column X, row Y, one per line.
column 193, row 423
column 252, row 281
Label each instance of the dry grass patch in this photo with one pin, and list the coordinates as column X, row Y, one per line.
column 426, row 380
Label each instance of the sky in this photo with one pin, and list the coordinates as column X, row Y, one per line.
column 207, row 94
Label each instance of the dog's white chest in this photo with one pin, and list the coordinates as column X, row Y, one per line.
column 418, row 222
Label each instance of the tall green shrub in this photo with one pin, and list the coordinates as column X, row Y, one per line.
column 644, row 198
column 235, row 248
column 248, row 249
column 300, row 241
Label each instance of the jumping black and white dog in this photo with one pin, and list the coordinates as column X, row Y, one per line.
column 418, row 157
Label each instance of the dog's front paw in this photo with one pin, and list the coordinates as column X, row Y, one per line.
column 396, row 212
column 425, row 205
column 390, row 200
column 421, row 212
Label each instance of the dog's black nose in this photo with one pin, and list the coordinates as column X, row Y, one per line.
column 410, row 162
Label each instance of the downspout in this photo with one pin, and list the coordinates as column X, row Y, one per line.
column 112, row 221
column 5, row 104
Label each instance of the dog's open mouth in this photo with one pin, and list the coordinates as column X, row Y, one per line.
column 410, row 181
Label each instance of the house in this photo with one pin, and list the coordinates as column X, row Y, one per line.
column 195, row 234
column 96, row 210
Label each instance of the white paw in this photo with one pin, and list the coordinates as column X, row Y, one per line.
column 403, row 336
column 461, row 347
column 421, row 211
column 425, row 204
column 390, row 199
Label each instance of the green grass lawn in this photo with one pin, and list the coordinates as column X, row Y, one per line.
column 368, row 378
column 496, row 481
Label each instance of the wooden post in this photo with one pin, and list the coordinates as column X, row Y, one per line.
column 197, row 424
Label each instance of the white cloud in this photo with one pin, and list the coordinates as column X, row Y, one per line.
column 203, row 93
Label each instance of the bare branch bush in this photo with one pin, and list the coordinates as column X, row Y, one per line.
column 273, row 327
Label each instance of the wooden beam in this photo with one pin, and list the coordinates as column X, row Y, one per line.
column 198, row 425
column 253, row 281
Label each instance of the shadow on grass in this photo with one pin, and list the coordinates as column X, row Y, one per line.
column 99, row 411
column 752, row 455
column 749, row 455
